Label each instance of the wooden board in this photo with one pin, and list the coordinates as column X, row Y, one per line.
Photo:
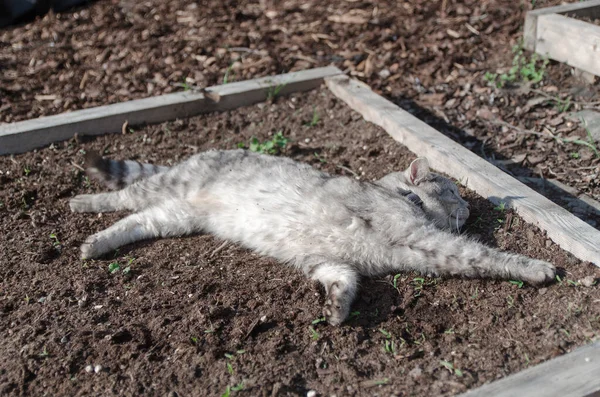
column 576, row 374
column 568, row 40
column 580, row 9
column 569, row 232
column 27, row 135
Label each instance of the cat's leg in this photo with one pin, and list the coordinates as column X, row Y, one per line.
column 443, row 253
column 340, row 281
column 143, row 194
column 168, row 220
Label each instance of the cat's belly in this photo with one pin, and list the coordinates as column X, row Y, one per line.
column 289, row 230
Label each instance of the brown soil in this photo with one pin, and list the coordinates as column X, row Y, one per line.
column 194, row 317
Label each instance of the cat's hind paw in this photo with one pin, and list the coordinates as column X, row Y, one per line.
column 82, row 203
column 337, row 308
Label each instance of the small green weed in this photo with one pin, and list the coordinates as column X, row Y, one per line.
column 574, row 155
column 185, row 85
column 381, row 382
column 273, row 146
column 518, row 283
column 562, row 105
column 385, row 333
column 318, row 320
column 419, row 283
column 44, row 352
column 274, row 91
column 353, row 315
column 525, row 70
column 230, row 369
column 26, row 170
column 227, row 392
column 314, row 335
column 475, row 294
column 395, row 280
column 228, row 72
column 573, row 283
column 318, row 157
column 114, row 267
column 450, row 367
column 238, row 387
column 55, row 242
column 315, row 119
column 194, row 340
column 389, row 346
column 501, row 207
column 510, row 300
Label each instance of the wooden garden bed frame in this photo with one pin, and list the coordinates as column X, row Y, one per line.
column 550, row 32
column 574, row 374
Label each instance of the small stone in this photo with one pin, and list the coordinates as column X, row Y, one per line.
column 384, row 73
column 311, row 393
column 263, row 319
column 416, row 372
column 588, row 281
column 89, row 368
column 542, row 291
column 97, row 368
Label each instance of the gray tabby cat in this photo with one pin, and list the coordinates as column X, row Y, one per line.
column 334, row 228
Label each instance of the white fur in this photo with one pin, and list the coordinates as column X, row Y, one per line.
column 334, row 228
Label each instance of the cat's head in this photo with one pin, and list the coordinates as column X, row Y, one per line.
column 437, row 195
column 441, row 200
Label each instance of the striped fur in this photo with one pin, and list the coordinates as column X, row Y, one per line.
column 116, row 174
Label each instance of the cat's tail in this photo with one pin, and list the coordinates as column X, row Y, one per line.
column 117, row 174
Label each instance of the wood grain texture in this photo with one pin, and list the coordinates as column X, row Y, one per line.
column 589, row 9
column 27, row 135
column 568, row 40
column 569, row 232
column 575, row 374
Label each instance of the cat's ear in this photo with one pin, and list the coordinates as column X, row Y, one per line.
column 418, row 170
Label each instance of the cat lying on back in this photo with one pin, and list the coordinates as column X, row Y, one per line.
column 334, row 228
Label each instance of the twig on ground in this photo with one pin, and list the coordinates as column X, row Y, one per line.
column 220, row 248
column 347, row 169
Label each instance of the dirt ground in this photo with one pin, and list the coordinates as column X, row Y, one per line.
column 191, row 316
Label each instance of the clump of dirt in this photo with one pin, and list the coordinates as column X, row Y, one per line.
column 198, row 316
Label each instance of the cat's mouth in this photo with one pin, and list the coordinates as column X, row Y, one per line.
column 458, row 218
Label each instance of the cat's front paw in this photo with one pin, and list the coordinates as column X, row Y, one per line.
column 93, row 247
column 538, row 272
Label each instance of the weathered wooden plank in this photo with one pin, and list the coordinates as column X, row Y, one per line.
column 568, row 40
column 26, row 135
column 589, row 9
column 575, row 374
column 571, row 233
